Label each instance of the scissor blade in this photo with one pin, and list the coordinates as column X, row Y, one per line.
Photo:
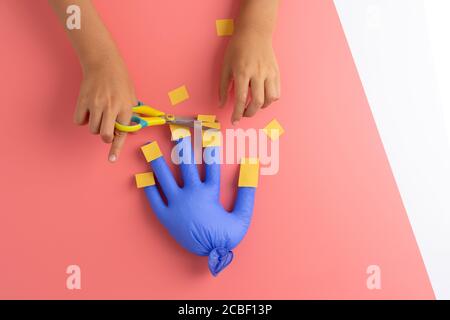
column 190, row 122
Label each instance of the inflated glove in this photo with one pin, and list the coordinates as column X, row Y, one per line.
column 193, row 214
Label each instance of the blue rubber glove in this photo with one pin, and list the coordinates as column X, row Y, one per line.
column 194, row 215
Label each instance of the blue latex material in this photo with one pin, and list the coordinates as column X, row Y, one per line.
column 194, row 215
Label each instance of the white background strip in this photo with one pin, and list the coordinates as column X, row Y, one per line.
column 403, row 60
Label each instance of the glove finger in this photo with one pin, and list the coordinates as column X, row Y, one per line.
column 156, row 202
column 185, row 154
column 212, row 165
column 163, row 174
column 243, row 207
column 248, row 181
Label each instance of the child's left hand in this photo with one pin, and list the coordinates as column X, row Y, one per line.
column 250, row 62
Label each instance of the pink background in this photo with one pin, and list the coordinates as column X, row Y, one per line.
column 332, row 210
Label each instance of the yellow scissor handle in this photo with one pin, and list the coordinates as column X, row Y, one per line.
column 141, row 122
column 124, row 128
column 156, row 117
column 148, row 111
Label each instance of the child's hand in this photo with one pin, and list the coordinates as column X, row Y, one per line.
column 250, row 62
column 106, row 96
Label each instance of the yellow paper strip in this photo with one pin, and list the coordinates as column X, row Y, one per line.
column 179, row 132
column 206, row 118
column 274, row 130
column 249, row 172
column 178, row 95
column 145, row 179
column 211, row 125
column 151, row 151
column 224, row 27
column 211, row 138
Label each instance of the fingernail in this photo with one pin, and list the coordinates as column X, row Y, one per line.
column 112, row 158
column 234, row 122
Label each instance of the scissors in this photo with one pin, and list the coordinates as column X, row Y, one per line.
column 146, row 116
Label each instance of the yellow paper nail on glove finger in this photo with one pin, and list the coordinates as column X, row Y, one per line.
column 151, row 151
column 249, row 172
column 211, row 138
column 145, row 179
column 179, row 132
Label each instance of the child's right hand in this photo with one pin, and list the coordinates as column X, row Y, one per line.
column 107, row 93
column 106, row 96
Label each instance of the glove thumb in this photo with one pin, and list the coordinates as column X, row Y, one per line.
column 219, row 259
